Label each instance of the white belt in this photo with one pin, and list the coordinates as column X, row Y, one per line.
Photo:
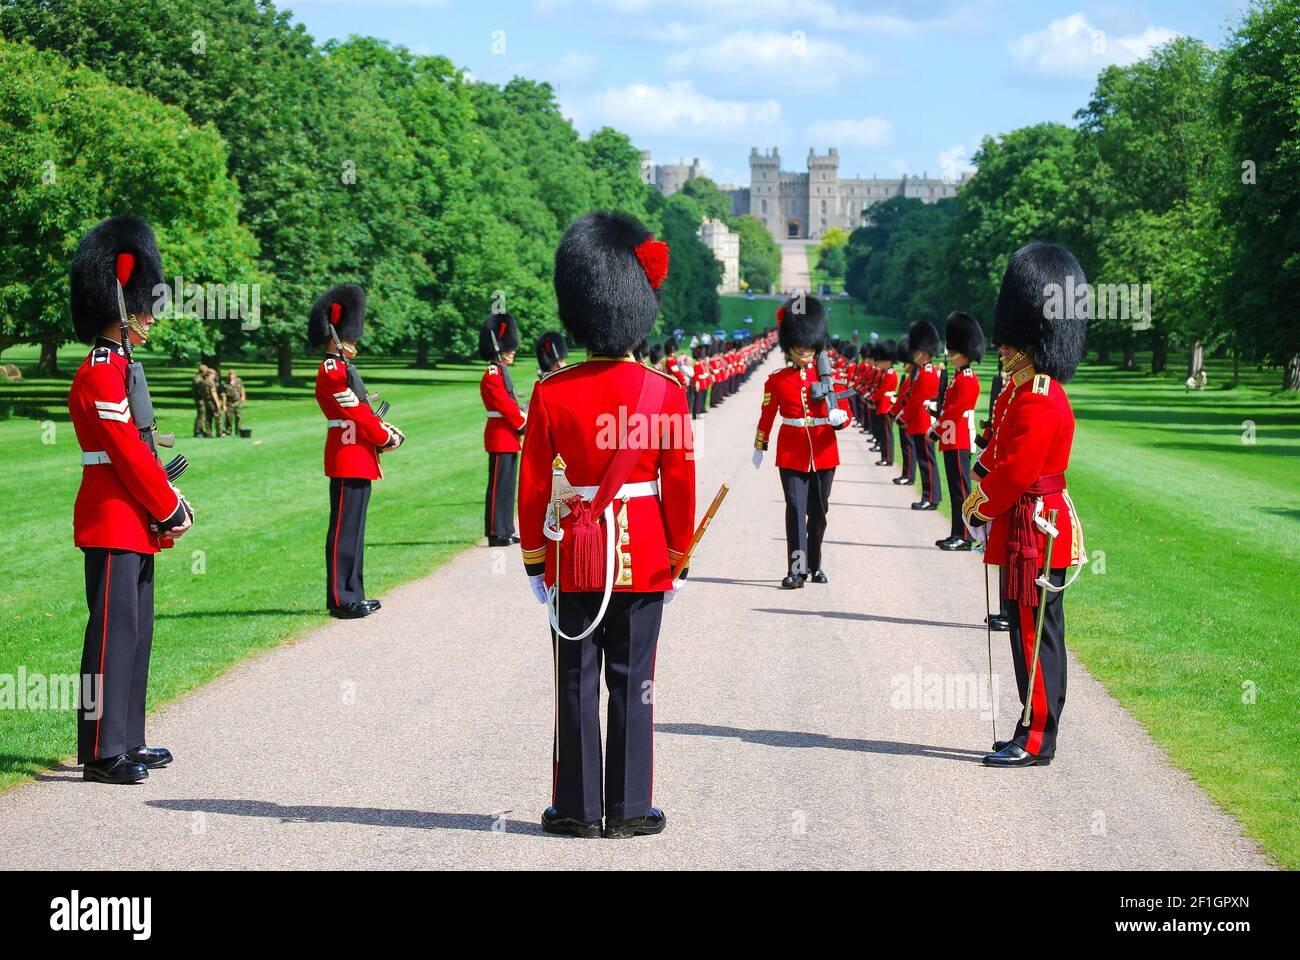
column 643, row 488
column 495, row 413
column 337, row 423
column 806, row 421
column 93, row 458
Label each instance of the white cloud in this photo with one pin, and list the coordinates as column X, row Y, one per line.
column 678, row 110
column 867, row 132
column 808, row 14
column 954, row 162
column 794, row 61
column 1071, row 47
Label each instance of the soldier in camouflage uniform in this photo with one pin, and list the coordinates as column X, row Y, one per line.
column 200, row 389
column 232, row 392
column 212, row 402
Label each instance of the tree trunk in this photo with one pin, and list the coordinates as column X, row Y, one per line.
column 422, row 352
column 48, row 365
column 1196, row 358
column 284, row 360
column 1236, row 367
column 1159, row 352
column 1291, row 379
column 1130, row 357
column 1103, row 355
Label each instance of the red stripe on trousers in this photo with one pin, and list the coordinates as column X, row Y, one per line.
column 103, row 647
column 1038, row 720
column 492, row 501
column 337, row 527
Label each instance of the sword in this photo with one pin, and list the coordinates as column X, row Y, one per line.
column 988, row 631
column 685, row 561
column 1044, row 583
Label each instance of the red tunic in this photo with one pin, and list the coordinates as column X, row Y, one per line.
column 925, row 387
column 802, row 448
column 1033, row 430
column 886, row 384
column 575, row 413
column 956, row 426
column 352, row 443
column 117, row 500
column 505, row 419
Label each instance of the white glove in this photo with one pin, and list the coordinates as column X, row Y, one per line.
column 538, row 585
column 395, row 437
column 979, row 534
column 838, row 417
column 176, row 532
column 757, row 458
column 671, row 595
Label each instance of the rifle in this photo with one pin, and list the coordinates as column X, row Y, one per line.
column 141, row 404
column 355, row 383
column 825, row 387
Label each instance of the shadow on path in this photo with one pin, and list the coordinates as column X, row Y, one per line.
column 871, row 617
column 362, row 816
column 801, row 739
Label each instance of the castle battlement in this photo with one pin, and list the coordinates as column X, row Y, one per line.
column 803, row 206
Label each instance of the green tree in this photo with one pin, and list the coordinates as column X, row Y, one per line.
column 78, row 148
column 711, row 199
column 760, row 257
column 690, row 294
column 1259, row 102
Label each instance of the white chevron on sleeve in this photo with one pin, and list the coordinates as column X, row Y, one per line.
column 113, row 411
column 346, row 398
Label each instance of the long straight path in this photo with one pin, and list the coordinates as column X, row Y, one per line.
column 837, row 726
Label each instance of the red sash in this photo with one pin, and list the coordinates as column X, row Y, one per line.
column 586, row 536
column 1022, row 541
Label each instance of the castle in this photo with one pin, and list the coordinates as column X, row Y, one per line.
column 803, row 206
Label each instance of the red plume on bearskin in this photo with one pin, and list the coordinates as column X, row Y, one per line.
column 653, row 255
column 125, row 264
column 780, row 315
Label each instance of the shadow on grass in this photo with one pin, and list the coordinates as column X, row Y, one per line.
column 871, row 618
column 195, row 614
column 361, row 816
column 802, row 740
column 29, row 765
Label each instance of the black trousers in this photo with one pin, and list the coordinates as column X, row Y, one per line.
column 909, row 453
column 927, row 466
column 807, row 501
column 700, row 403
column 1039, row 738
column 885, row 438
column 956, row 467
column 345, row 541
column 499, row 501
column 625, row 644
column 115, row 653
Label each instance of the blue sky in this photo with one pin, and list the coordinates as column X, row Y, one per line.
column 896, row 87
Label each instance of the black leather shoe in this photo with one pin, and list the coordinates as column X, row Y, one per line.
column 352, row 610
column 792, row 582
column 925, row 505
column 647, row 826
column 904, row 481
column 119, row 769
column 999, row 624
column 883, row 463
column 1014, row 755
column 372, row 604
column 502, row 541
column 820, row 577
column 552, row 822
column 1001, row 745
column 151, row 757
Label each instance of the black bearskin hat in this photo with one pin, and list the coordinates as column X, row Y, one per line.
column 904, row 351
column 922, row 337
column 670, row 347
column 656, row 354
column 887, row 350
column 349, row 318
column 503, row 327
column 803, row 323
column 118, row 249
column 608, row 270
column 964, row 336
column 551, row 349
column 850, row 351
column 1041, row 310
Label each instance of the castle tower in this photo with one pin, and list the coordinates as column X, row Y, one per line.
column 825, row 204
column 765, row 188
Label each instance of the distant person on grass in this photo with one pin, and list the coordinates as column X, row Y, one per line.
column 498, row 341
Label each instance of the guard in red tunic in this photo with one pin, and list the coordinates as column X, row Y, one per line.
column 923, row 341
column 905, row 381
column 498, row 339
column 607, row 509
column 355, row 436
column 701, row 380
column 127, row 508
column 1021, row 478
column 883, row 395
column 552, row 352
column 955, row 429
column 807, row 451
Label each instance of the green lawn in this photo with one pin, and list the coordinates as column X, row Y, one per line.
column 261, row 509
column 1190, row 626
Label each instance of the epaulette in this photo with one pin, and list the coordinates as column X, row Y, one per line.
column 666, row 376
column 564, row 369
column 967, row 372
column 1042, row 384
column 100, row 355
